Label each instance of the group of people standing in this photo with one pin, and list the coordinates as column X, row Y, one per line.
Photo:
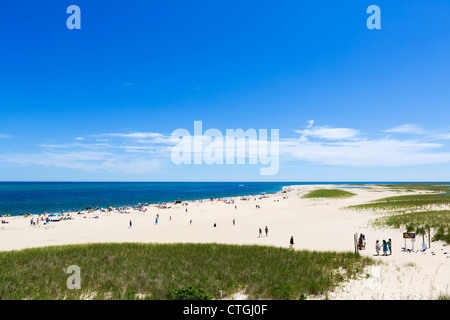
column 386, row 246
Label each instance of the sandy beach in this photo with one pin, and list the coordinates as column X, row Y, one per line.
column 315, row 224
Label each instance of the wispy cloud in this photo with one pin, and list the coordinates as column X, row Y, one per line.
column 138, row 137
column 379, row 152
column 131, row 84
column 5, row 136
column 415, row 129
column 407, row 128
column 133, row 135
column 347, row 146
column 120, row 153
column 87, row 161
column 147, row 152
column 326, row 132
column 329, row 133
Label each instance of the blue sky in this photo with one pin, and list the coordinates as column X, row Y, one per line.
column 100, row 103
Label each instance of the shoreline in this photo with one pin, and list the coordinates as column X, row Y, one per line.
column 315, row 224
column 132, row 204
column 169, row 204
column 146, row 203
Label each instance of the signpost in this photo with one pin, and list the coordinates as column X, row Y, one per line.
column 429, row 236
column 410, row 235
column 423, row 235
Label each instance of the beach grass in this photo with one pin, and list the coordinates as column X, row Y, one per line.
column 414, row 221
column 328, row 193
column 162, row 271
column 410, row 187
column 406, row 202
column 411, row 212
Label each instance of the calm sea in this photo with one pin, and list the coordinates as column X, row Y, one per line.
column 40, row 197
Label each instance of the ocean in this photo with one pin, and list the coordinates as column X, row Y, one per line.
column 38, row 197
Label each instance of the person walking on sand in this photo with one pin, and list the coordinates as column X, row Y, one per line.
column 385, row 248
column 267, row 231
column 130, row 224
column 364, row 242
column 291, row 242
column 378, row 247
column 389, row 243
column 260, row 233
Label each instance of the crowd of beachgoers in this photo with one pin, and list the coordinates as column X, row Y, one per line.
column 124, row 209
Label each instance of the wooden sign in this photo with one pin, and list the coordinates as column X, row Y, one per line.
column 409, row 235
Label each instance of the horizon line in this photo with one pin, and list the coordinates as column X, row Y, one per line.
column 209, row 181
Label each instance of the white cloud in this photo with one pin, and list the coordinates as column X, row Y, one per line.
column 5, row 136
column 87, row 161
column 133, row 135
column 382, row 152
column 344, row 146
column 74, row 145
column 146, row 152
column 327, row 133
column 122, row 153
column 418, row 130
column 407, row 128
column 443, row 136
column 138, row 137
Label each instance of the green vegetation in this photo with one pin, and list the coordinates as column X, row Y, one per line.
column 328, row 193
column 411, row 212
column 173, row 271
column 438, row 220
column 411, row 187
column 406, row 202
column 190, row 293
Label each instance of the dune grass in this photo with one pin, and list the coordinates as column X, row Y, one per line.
column 411, row 212
column 160, row 271
column 410, row 187
column 406, row 202
column 328, row 193
column 413, row 222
